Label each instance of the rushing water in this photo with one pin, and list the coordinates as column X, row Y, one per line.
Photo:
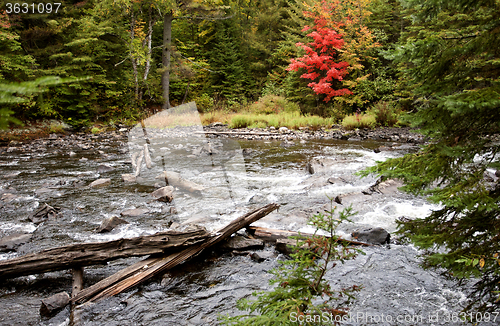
column 396, row 291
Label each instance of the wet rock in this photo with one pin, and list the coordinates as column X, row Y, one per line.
column 372, row 235
column 110, row 223
column 261, row 256
column 8, row 197
column 11, row 242
column 44, row 213
column 248, row 151
column 104, row 168
column 11, row 175
column 256, row 199
column 72, row 154
column 283, row 130
column 319, row 165
column 241, row 243
column 383, row 186
column 135, row 212
column 164, row 194
column 285, row 245
column 53, row 304
column 100, row 183
column 128, row 178
column 44, row 190
column 497, row 173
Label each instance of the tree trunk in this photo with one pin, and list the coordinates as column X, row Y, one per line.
column 167, row 43
column 94, row 253
column 132, row 56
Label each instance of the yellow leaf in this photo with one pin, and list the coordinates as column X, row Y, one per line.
column 481, row 263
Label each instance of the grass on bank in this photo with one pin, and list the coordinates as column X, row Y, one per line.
column 277, row 111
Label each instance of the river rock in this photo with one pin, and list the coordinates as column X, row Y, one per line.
column 44, row 213
column 11, row 242
column 261, row 256
column 497, row 173
column 12, row 175
column 104, row 168
column 53, row 304
column 239, row 242
column 375, row 235
column 128, row 178
column 135, row 212
column 164, row 194
column 319, row 165
column 110, row 223
column 100, row 183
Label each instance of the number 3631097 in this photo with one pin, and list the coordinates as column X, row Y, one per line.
column 32, row 8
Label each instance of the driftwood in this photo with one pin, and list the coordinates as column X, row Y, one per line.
column 272, row 235
column 77, row 281
column 150, row 267
column 85, row 254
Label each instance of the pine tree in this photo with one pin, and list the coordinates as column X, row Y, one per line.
column 452, row 58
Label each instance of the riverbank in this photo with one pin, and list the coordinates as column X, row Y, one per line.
column 54, row 129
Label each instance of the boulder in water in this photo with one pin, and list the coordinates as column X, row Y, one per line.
column 164, row 194
column 110, row 223
column 375, row 235
column 100, row 183
column 11, row 242
column 135, row 212
column 53, row 304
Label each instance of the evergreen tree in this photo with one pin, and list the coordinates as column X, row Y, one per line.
column 452, row 58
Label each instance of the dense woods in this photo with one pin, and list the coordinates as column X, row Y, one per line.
column 438, row 60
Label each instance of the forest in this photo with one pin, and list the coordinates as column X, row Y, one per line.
column 433, row 64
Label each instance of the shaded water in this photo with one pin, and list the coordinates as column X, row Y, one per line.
column 196, row 292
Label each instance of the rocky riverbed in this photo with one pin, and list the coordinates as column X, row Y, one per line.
column 297, row 169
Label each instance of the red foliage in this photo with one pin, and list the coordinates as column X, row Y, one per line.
column 320, row 59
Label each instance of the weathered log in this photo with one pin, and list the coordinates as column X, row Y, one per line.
column 272, row 235
column 146, row 269
column 85, row 254
column 175, row 179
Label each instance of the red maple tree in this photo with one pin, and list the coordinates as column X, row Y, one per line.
column 320, row 58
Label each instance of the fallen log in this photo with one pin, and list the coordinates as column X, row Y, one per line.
column 249, row 133
column 95, row 253
column 272, row 235
column 150, row 267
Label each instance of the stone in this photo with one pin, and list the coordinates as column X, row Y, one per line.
column 53, row 304
column 100, row 183
column 283, row 129
column 104, row 168
column 261, row 256
column 375, row 235
column 239, row 242
column 135, row 212
column 497, row 173
column 11, row 175
column 128, row 178
column 110, row 223
column 44, row 213
column 13, row 241
column 164, row 194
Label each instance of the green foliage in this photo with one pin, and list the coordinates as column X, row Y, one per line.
column 451, row 60
column 271, row 104
column 300, row 290
column 385, row 114
column 14, row 94
column 359, row 121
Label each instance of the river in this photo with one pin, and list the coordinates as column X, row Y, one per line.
column 237, row 176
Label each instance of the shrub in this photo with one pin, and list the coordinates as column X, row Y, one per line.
column 204, row 103
column 241, row 121
column 385, row 114
column 271, row 104
column 359, row 121
column 302, row 288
